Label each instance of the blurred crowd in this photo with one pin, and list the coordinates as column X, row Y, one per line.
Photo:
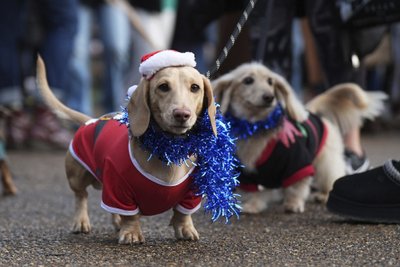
column 92, row 51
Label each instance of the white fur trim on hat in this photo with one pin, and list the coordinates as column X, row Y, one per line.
column 164, row 59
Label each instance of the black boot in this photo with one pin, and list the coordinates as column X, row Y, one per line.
column 371, row 196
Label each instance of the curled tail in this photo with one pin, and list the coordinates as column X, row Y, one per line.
column 52, row 102
column 347, row 105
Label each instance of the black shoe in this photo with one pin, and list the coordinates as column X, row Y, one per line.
column 371, row 196
column 356, row 163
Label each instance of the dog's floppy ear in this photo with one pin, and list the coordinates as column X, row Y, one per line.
column 223, row 90
column 208, row 93
column 138, row 109
column 285, row 94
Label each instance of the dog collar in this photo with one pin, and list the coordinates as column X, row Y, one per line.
column 242, row 129
column 216, row 174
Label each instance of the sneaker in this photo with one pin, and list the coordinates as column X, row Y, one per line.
column 356, row 163
column 371, row 196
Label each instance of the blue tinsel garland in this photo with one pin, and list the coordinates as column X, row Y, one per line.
column 242, row 129
column 216, row 176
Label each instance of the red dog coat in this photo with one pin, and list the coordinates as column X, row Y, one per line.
column 103, row 149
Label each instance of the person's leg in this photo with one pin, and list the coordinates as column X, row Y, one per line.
column 371, row 196
column 115, row 32
column 60, row 25
column 325, row 26
column 297, row 62
column 356, row 160
column 353, row 141
column 271, row 34
column 79, row 95
column 395, row 89
column 140, row 47
column 10, row 72
column 17, row 121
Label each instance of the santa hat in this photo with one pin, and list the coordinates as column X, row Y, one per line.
column 155, row 61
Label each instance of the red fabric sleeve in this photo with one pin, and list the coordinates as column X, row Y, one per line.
column 190, row 203
column 117, row 196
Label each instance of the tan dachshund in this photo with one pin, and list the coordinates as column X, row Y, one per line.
column 174, row 97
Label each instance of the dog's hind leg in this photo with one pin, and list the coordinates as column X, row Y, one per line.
column 327, row 171
column 79, row 179
column 256, row 202
column 329, row 165
column 8, row 185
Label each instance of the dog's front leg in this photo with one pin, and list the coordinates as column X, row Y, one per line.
column 183, row 226
column 130, row 232
column 295, row 196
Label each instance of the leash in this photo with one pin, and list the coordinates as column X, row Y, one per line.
column 232, row 38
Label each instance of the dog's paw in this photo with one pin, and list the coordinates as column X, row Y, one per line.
column 10, row 191
column 319, row 197
column 294, row 206
column 130, row 237
column 81, row 225
column 186, row 232
column 254, row 206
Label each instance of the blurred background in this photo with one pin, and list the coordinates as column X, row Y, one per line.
column 92, row 50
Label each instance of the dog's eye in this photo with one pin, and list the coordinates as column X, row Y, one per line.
column 248, row 80
column 270, row 81
column 163, row 87
column 194, row 88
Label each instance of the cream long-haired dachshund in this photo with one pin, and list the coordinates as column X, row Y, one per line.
column 284, row 144
column 173, row 97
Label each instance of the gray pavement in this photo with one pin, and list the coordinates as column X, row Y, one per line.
column 34, row 228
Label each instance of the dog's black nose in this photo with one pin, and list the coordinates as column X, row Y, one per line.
column 181, row 114
column 267, row 98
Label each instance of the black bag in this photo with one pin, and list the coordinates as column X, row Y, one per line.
column 365, row 22
column 368, row 13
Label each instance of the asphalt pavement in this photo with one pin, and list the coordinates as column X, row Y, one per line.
column 35, row 228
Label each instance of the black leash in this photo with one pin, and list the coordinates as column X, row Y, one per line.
column 232, row 38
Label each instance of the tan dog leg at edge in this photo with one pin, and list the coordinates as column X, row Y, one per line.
column 8, row 185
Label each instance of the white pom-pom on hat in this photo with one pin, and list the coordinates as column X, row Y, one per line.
column 155, row 61
column 131, row 90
